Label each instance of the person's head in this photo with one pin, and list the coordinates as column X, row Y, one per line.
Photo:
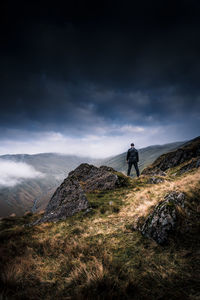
column 132, row 145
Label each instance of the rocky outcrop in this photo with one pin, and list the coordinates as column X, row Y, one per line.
column 155, row 180
column 103, row 178
column 172, row 159
column 70, row 196
column 153, row 172
column 162, row 221
column 195, row 163
column 68, row 199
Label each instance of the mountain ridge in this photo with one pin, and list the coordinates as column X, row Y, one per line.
column 187, row 151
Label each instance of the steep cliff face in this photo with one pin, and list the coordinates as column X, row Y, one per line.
column 172, row 159
column 70, row 196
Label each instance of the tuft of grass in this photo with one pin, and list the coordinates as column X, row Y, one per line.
column 107, row 202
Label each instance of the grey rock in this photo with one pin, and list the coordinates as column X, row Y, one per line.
column 195, row 163
column 107, row 169
column 198, row 163
column 161, row 173
column 68, row 199
column 93, row 178
column 87, row 211
column 155, row 180
column 162, row 220
column 154, row 172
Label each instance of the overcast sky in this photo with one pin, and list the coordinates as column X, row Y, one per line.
column 89, row 79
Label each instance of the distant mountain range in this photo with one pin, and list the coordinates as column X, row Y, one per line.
column 34, row 194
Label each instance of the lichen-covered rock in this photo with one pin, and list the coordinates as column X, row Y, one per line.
column 198, row 163
column 195, row 163
column 68, row 199
column 155, row 180
column 153, row 172
column 107, row 169
column 93, row 178
column 163, row 219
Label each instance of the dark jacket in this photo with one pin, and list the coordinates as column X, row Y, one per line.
column 132, row 155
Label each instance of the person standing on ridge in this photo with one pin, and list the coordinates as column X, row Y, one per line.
column 132, row 158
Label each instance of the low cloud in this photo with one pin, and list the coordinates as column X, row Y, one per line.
column 103, row 142
column 13, row 173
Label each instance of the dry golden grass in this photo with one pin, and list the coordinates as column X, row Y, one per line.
column 17, row 271
column 87, row 273
column 99, row 257
column 141, row 202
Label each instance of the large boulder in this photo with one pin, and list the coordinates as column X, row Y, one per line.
column 155, row 180
column 68, row 199
column 195, row 163
column 161, row 222
column 103, row 178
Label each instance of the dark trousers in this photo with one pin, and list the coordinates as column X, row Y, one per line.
column 130, row 163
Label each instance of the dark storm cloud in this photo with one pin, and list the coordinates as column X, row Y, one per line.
column 76, row 68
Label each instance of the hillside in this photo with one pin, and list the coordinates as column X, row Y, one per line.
column 104, row 252
column 188, row 151
column 48, row 163
column 147, row 156
column 35, row 193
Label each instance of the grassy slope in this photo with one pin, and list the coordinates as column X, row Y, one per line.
column 99, row 255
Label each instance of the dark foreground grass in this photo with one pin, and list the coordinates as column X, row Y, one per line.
column 96, row 256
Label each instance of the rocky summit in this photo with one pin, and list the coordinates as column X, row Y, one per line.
column 70, row 197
